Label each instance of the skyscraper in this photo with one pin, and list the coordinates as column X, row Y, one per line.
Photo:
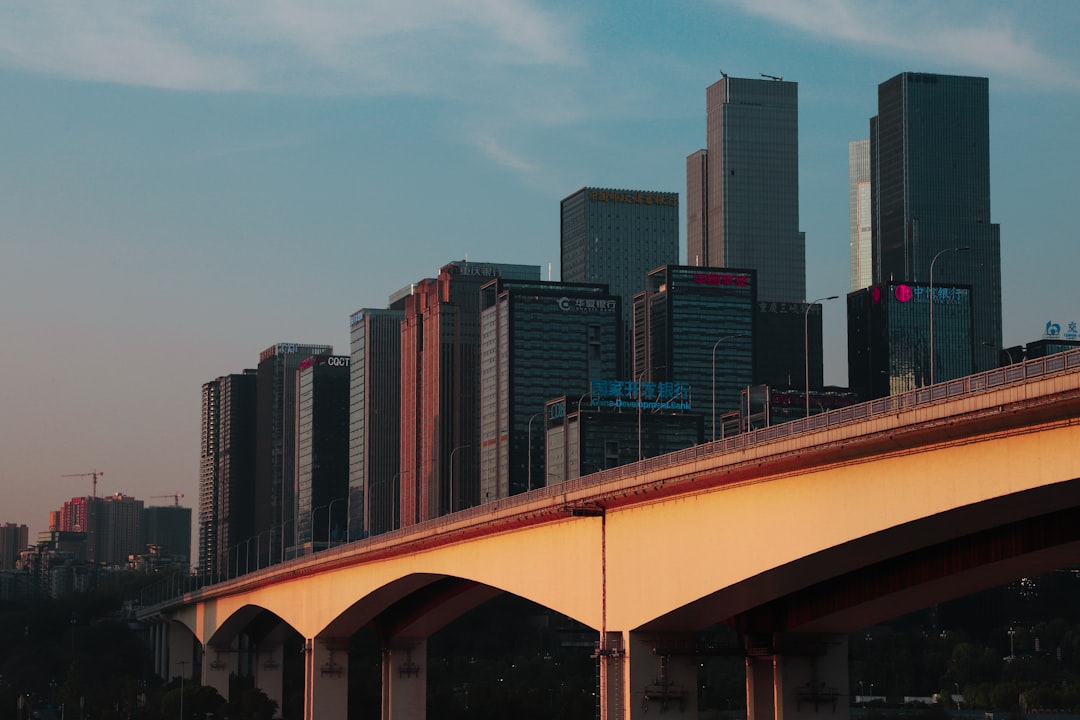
column 860, row 235
column 615, row 237
column 374, row 420
column 930, row 186
column 226, row 469
column 275, row 443
column 13, row 540
column 742, row 205
column 695, row 326
column 889, row 336
column 322, row 450
column 440, row 388
column 539, row 340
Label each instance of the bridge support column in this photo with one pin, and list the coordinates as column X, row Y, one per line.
column 157, row 642
column 269, row 676
column 326, row 679
column 216, row 668
column 663, row 672
column 806, row 678
column 648, row 672
column 180, row 652
column 404, row 679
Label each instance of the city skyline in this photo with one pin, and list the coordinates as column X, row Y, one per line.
column 173, row 205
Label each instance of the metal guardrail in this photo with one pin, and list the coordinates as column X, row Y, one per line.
column 950, row 390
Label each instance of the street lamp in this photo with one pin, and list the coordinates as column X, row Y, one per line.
column 716, row 345
column 313, row 511
column 934, row 260
column 806, row 346
column 531, row 418
column 459, row 447
column 1002, row 350
column 329, row 510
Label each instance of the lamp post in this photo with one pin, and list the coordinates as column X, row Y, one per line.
column 932, row 261
column 531, row 418
column 258, row 547
column 716, row 345
column 806, row 346
column 459, row 447
column 313, row 511
column 329, row 510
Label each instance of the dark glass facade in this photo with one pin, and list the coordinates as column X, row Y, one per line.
column 374, row 420
column 440, row 389
column 275, row 445
column 889, row 337
column 750, row 186
column 539, row 340
column 169, row 528
column 581, row 441
column 695, row 325
column 322, row 451
column 614, row 237
column 930, row 173
column 783, row 333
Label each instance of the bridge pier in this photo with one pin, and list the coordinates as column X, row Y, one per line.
column 180, row 653
column 648, row 672
column 216, row 668
column 806, row 677
column 404, row 679
column 326, row 679
column 269, row 674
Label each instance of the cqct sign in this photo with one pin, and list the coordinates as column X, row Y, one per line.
column 338, row 361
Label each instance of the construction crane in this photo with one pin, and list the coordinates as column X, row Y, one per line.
column 91, row 543
column 94, row 474
column 175, row 496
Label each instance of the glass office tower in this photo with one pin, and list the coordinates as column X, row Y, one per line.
column 275, row 445
column 889, row 347
column 695, row 325
column 860, row 234
column 374, row 420
column 930, row 187
column 748, row 179
column 614, row 237
column 538, row 340
column 322, row 450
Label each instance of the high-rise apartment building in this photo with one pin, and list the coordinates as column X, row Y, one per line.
column 930, row 185
column 275, row 444
column 374, row 420
column 860, row 232
column 440, row 387
column 120, row 531
column 742, row 205
column 539, row 340
column 322, row 450
column 694, row 326
column 614, row 237
column 226, row 470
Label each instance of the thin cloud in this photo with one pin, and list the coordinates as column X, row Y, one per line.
column 323, row 46
column 965, row 35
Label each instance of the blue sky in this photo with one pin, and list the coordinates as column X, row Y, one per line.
column 184, row 184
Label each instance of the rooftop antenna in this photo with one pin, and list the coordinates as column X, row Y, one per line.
column 723, row 74
column 778, row 78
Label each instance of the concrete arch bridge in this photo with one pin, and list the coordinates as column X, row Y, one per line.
column 797, row 535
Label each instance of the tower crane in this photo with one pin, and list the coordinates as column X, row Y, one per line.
column 93, row 474
column 92, row 544
column 175, row 496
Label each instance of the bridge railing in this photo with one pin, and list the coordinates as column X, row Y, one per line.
column 950, row 390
